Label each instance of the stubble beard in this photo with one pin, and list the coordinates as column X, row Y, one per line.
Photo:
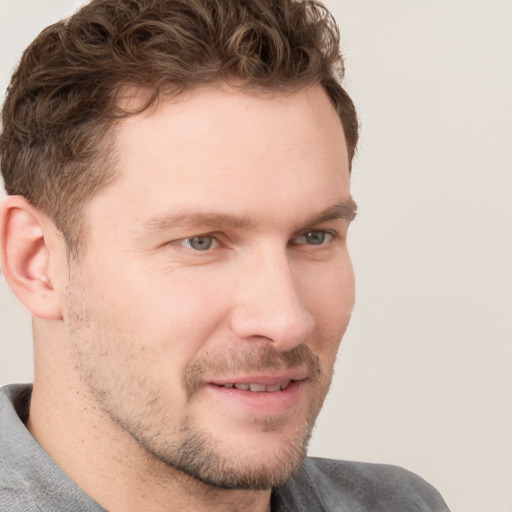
column 199, row 455
column 191, row 449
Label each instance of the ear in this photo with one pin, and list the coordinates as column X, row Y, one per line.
column 25, row 251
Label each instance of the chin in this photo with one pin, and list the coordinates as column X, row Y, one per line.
column 270, row 468
column 257, row 465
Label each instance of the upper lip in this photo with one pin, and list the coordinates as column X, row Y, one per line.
column 266, row 379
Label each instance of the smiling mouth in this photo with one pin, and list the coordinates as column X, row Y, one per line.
column 258, row 388
column 261, row 395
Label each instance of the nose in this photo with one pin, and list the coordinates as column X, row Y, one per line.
column 268, row 304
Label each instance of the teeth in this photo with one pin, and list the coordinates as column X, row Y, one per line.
column 285, row 384
column 259, row 388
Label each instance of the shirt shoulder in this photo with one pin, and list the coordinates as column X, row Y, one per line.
column 14, row 494
column 30, row 481
column 344, row 486
column 14, row 489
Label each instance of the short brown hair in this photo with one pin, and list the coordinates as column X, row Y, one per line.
column 64, row 97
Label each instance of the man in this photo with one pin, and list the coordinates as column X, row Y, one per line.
column 176, row 222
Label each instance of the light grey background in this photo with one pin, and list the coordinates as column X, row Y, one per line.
column 423, row 378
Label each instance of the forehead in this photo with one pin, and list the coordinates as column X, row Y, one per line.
column 219, row 116
column 222, row 149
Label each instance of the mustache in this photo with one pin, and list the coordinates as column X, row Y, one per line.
column 247, row 358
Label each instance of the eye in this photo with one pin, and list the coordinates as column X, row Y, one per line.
column 200, row 243
column 316, row 237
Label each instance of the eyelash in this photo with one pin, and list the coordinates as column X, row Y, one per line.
column 330, row 235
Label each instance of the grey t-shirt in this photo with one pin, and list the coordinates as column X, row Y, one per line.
column 30, row 481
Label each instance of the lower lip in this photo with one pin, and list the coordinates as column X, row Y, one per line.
column 260, row 403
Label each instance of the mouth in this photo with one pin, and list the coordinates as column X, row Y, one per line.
column 261, row 395
column 256, row 387
column 264, row 383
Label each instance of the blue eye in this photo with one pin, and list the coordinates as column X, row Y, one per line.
column 314, row 238
column 200, row 243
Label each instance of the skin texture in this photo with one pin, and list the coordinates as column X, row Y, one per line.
column 217, row 256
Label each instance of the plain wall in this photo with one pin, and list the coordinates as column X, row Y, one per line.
column 424, row 373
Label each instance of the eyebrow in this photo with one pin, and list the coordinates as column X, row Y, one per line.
column 344, row 209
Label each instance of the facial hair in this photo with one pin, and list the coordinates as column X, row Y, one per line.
column 196, row 452
column 190, row 447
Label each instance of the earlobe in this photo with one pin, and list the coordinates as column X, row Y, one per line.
column 26, row 256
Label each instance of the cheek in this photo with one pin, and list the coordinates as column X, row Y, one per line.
column 174, row 314
column 328, row 290
column 329, row 298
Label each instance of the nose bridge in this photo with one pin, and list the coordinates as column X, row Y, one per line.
column 269, row 304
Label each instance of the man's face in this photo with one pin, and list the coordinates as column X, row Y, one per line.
column 205, row 314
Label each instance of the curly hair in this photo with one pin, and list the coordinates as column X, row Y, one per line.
column 64, row 97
